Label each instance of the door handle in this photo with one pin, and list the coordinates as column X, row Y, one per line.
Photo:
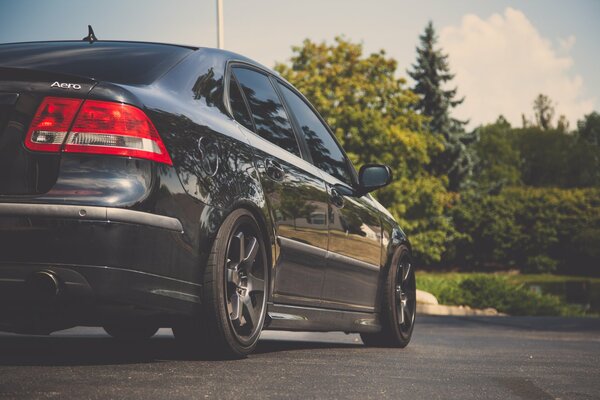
column 274, row 170
column 336, row 198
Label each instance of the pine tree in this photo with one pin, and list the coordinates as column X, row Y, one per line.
column 431, row 73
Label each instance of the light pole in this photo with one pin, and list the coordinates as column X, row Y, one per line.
column 220, row 28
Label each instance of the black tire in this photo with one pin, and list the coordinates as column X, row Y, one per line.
column 131, row 333
column 399, row 302
column 234, row 292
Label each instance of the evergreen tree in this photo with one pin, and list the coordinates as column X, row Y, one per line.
column 431, row 73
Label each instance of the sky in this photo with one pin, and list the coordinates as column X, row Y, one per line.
column 503, row 52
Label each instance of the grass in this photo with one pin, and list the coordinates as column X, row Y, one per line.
column 504, row 292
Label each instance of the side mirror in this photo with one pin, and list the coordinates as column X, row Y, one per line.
column 373, row 176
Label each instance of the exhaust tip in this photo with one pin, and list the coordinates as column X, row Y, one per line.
column 43, row 286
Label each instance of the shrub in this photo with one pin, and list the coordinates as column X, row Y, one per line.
column 484, row 290
column 531, row 229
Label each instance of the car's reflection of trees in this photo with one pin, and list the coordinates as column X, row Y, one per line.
column 321, row 156
column 297, row 202
column 271, row 121
column 209, row 89
column 294, row 202
column 350, row 222
column 233, row 179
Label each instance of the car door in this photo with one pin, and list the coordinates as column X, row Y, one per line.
column 295, row 191
column 354, row 249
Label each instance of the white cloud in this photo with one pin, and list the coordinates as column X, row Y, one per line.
column 502, row 63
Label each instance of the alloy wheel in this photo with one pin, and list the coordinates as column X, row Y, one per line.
column 245, row 283
column 406, row 296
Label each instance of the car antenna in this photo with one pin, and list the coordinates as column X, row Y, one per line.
column 91, row 37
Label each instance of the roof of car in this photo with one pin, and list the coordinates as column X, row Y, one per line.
column 101, row 41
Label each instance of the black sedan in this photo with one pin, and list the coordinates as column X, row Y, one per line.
column 148, row 185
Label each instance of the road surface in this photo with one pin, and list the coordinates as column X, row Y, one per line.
column 449, row 358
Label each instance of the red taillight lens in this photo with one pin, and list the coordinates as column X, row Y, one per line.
column 100, row 127
column 51, row 124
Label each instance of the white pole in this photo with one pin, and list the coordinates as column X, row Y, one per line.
column 220, row 27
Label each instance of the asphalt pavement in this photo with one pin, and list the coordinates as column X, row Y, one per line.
column 449, row 358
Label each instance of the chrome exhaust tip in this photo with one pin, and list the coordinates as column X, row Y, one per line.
column 44, row 286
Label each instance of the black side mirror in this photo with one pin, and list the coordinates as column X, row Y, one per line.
column 373, row 176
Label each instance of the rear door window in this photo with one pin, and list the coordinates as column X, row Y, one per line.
column 270, row 118
column 326, row 153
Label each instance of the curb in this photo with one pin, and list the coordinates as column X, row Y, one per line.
column 427, row 304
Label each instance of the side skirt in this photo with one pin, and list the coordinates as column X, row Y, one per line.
column 295, row 318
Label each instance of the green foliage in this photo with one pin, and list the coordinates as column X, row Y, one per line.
column 537, row 157
column 589, row 129
column 499, row 292
column 499, row 159
column 372, row 114
column 535, row 230
column 431, row 73
column 554, row 158
column 515, row 217
column 544, row 111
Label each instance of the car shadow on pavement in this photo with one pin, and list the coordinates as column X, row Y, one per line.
column 77, row 351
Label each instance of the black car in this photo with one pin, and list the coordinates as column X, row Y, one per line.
column 149, row 185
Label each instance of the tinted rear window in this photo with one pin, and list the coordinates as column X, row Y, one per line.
column 127, row 63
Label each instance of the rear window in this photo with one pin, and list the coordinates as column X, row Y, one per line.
column 126, row 63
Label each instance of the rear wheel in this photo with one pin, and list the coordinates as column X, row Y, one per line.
column 131, row 333
column 399, row 306
column 234, row 292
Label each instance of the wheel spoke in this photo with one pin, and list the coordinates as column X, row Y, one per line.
column 402, row 311
column 241, row 246
column 233, row 276
column 255, row 284
column 252, row 311
column 407, row 314
column 250, row 253
column 405, row 271
column 236, row 307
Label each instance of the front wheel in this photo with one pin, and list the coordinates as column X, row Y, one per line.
column 234, row 292
column 399, row 306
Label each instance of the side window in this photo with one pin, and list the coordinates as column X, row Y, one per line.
column 269, row 115
column 238, row 105
column 325, row 152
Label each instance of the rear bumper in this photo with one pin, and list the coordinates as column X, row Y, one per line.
column 105, row 258
column 89, row 213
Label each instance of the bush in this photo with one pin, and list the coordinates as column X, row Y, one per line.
column 530, row 229
column 483, row 291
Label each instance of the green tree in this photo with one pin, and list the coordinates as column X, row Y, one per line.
column 499, row 159
column 371, row 112
column 532, row 229
column 588, row 129
column 431, row 73
column 553, row 158
column 544, row 111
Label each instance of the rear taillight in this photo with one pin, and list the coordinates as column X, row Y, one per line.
column 51, row 124
column 99, row 127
